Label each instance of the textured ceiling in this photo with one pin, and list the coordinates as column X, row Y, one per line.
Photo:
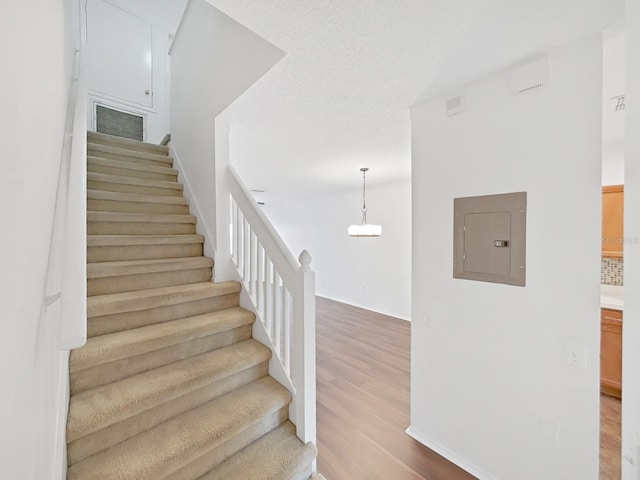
column 339, row 100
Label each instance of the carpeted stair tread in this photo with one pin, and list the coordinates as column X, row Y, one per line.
column 126, row 143
column 128, row 343
column 135, row 267
column 100, row 440
column 156, row 453
column 140, row 223
column 100, row 407
column 134, row 275
column 112, row 248
column 127, row 223
column 101, row 203
column 137, row 182
column 135, row 240
column 278, row 455
column 156, row 297
column 98, row 150
column 134, row 167
column 134, row 197
column 139, row 217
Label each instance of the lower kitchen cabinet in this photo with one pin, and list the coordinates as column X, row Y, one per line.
column 611, row 352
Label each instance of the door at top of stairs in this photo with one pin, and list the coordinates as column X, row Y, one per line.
column 119, row 54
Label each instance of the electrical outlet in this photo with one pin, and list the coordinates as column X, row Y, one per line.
column 550, row 429
column 575, row 354
column 425, row 320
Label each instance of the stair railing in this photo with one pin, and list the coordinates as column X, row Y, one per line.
column 66, row 270
column 282, row 292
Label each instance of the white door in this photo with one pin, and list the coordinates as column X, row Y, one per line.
column 119, row 54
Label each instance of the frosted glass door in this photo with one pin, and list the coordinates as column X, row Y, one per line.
column 120, row 55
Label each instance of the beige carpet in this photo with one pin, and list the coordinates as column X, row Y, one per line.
column 170, row 384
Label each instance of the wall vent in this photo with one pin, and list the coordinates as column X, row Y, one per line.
column 454, row 106
column 119, row 123
column 529, row 77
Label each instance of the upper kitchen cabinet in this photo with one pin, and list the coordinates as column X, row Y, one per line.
column 612, row 221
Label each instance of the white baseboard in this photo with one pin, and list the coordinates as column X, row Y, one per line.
column 60, row 449
column 364, row 307
column 449, row 455
column 202, row 225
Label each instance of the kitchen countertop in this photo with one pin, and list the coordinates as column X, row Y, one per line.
column 612, row 297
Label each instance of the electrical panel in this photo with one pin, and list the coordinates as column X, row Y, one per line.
column 489, row 238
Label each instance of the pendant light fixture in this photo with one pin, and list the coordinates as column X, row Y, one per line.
column 364, row 229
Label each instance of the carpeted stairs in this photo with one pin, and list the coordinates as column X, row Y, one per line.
column 170, row 384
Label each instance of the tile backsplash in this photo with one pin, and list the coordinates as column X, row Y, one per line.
column 611, row 272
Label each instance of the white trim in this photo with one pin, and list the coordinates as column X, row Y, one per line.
column 397, row 316
column 60, row 460
column 194, row 206
column 449, row 455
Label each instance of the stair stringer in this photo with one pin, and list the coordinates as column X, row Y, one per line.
column 203, row 226
column 259, row 333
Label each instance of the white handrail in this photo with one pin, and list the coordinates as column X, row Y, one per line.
column 282, row 293
column 66, row 270
column 259, row 220
column 73, row 332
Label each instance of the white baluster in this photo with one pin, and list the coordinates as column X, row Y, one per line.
column 261, row 286
column 239, row 235
column 232, row 233
column 277, row 314
column 268, row 304
column 247, row 247
column 286, row 330
column 252, row 266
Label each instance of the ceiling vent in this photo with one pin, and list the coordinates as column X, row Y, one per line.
column 455, row 106
column 530, row 77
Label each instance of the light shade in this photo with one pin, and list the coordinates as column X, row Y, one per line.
column 365, row 230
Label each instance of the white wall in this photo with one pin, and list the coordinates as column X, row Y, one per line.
column 488, row 359
column 214, row 60
column 613, row 84
column 631, row 323
column 613, row 166
column 372, row 273
column 36, row 48
column 164, row 16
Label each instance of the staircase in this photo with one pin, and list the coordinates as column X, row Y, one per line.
column 170, row 384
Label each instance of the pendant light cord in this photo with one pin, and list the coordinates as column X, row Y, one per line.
column 364, row 195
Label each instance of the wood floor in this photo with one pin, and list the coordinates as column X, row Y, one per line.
column 363, row 403
column 363, row 400
column 609, row 438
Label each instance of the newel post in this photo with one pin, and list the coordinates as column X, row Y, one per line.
column 305, row 341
